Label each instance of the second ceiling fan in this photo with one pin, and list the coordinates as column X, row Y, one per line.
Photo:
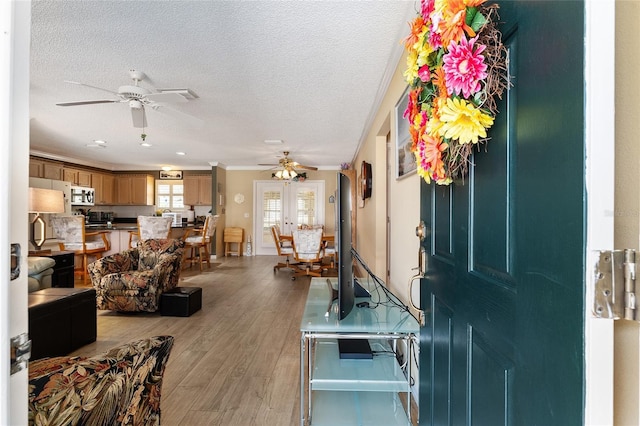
column 138, row 98
column 288, row 165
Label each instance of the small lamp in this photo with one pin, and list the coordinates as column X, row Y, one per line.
column 43, row 201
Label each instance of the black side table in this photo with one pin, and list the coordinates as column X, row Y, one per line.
column 63, row 269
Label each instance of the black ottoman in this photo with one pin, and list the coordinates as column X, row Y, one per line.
column 181, row 301
column 61, row 320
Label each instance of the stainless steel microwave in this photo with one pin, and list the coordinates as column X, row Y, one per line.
column 82, row 196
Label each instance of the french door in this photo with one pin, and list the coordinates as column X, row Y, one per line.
column 288, row 204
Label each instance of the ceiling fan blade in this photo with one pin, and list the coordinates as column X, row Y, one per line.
column 270, row 165
column 88, row 85
column 302, row 166
column 99, row 101
column 166, row 97
column 179, row 117
column 139, row 117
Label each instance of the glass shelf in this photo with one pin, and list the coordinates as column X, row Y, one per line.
column 380, row 374
column 357, row 408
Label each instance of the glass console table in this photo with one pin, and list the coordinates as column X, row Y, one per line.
column 336, row 391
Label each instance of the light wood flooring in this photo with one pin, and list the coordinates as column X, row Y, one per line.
column 237, row 360
column 234, row 362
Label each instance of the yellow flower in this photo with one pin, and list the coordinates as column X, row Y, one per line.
column 411, row 73
column 423, row 48
column 463, row 121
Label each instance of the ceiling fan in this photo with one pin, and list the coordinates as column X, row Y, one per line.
column 285, row 163
column 137, row 97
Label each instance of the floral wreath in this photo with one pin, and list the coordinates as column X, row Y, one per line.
column 456, row 67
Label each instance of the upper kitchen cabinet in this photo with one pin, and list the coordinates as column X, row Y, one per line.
column 135, row 189
column 77, row 176
column 104, row 186
column 45, row 169
column 197, row 190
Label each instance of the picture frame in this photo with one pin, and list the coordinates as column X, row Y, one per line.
column 405, row 158
column 170, row 174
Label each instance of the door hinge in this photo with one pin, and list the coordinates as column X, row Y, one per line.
column 614, row 294
column 20, row 352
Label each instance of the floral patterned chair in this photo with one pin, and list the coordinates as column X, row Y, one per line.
column 71, row 231
column 119, row 387
column 134, row 279
column 308, row 251
column 150, row 227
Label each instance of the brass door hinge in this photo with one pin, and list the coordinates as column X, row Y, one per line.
column 614, row 294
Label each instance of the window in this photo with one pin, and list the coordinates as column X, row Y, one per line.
column 170, row 195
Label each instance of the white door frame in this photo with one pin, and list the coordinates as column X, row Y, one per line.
column 15, row 34
column 600, row 178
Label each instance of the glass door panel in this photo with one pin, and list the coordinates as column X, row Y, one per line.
column 288, row 204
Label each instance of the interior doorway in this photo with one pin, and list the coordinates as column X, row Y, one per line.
column 287, row 204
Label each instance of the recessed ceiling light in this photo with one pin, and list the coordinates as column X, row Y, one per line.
column 166, row 168
column 273, row 141
column 181, row 153
column 99, row 141
column 146, row 144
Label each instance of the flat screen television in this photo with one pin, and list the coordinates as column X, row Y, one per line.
column 346, row 293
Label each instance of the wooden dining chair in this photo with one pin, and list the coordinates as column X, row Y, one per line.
column 308, row 252
column 71, row 231
column 197, row 246
column 284, row 248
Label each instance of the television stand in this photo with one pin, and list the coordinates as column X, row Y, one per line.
column 353, row 391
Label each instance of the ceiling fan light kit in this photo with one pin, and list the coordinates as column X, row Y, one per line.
column 287, row 168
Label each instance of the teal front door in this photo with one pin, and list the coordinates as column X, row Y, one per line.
column 503, row 342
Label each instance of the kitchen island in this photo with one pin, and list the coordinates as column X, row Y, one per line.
column 119, row 234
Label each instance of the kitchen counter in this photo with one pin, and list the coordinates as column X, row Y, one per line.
column 128, row 227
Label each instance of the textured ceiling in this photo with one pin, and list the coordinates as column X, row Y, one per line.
column 310, row 73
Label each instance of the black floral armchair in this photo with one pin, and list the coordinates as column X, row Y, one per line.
column 134, row 279
column 119, row 387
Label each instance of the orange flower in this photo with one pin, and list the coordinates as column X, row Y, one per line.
column 439, row 81
column 417, row 27
column 453, row 24
column 473, row 3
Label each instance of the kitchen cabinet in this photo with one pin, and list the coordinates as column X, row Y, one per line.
column 135, row 189
column 197, row 190
column 45, row 169
column 76, row 176
column 104, row 186
column 36, row 168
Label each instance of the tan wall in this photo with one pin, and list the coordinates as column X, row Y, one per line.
column 241, row 182
column 627, row 202
column 403, row 200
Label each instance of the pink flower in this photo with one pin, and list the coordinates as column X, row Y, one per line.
column 464, row 67
column 424, row 73
column 427, row 6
